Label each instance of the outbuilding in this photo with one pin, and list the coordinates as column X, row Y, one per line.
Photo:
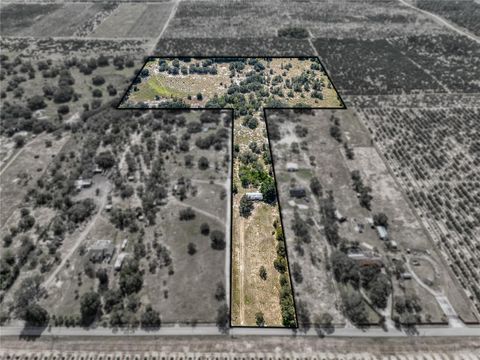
column 339, row 216
column 297, row 192
column 292, row 166
column 83, row 183
column 119, row 262
column 382, row 232
column 254, row 196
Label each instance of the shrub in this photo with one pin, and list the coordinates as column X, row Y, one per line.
column 187, row 214
column 218, row 240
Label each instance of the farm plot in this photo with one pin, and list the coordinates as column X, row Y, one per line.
column 360, row 20
column 192, row 288
column 62, row 22
column 464, row 12
column 383, row 69
column 236, row 47
column 227, row 19
column 17, row 18
column 432, row 155
column 453, row 60
column 314, row 287
column 404, row 229
column 134, row 225
column 134, row 21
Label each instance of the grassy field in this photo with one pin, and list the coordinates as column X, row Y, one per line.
column 24, row 168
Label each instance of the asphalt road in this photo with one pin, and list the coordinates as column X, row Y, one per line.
column 427, row 331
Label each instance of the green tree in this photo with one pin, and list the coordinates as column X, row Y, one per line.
column 105, row 160
column 89, row 307
column 246, row 206
column 380, row 219
column 316, row 186
column 35, row 315
column 259, row 319
column 263, row 272
column 218, row 240
column 268, row 190
column 131, row 278
column 150, row 318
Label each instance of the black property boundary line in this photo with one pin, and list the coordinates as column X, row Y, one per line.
column 232, row 111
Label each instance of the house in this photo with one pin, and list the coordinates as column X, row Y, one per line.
column 254, row 196
column 382, row 232
column 298, row 192
column 120, row 259
column 291, row 167
column 339, row 216
column 83, row 183
column 101, row 250
column 97, row 170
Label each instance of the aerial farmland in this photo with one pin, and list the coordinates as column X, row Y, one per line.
column 241, row 180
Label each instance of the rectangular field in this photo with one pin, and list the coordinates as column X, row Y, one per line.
column 134, row 20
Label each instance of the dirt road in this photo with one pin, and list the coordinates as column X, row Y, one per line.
column 241, row 269
column 81, row 237
column 442, row 21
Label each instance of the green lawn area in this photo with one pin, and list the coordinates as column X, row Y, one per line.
column 154, row 86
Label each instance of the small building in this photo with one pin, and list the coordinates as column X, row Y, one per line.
column 209, row 126
column 393, row 245
column 339, row 216
column 120, row 259
column 406, row 276
column 108, row 207
column 101, row 250
column 382, row 232
column 254, row 196
column 40, row 114
column 297, row 192
column 97, row 170
column 291, row 167
column 124, row 244
column 131, row 178
column 83, row 183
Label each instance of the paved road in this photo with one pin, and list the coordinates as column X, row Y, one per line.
column 213, row 331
